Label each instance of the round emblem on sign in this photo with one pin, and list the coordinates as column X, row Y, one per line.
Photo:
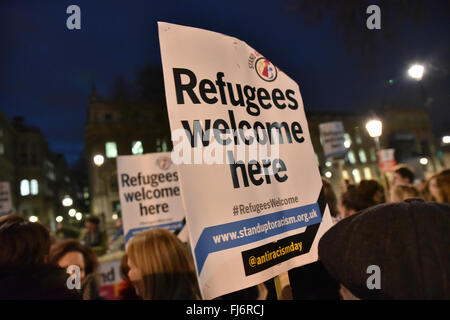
column 265, row 69
column 164, row 163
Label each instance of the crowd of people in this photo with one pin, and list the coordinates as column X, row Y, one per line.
column 405, row 232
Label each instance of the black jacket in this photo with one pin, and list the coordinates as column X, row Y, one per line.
column 38, row 282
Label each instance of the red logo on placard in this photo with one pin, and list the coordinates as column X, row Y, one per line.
column 265, row 69
column 164, row 162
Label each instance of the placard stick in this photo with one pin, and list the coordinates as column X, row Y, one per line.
column 281, row 281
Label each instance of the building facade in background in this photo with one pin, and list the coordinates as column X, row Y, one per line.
column 39, row 179
column 407, row 130
column 361, row 159
column 113, row 128
column 7, row 155
column 410, row 132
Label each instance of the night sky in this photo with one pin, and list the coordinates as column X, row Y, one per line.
column 47, row 70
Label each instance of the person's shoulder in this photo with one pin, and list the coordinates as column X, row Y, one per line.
column 43, row 282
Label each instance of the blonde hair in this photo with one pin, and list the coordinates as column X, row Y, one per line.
column 404, row 191
column 443, row 183
column 166, row 266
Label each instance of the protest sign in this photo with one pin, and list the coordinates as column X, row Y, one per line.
column 149, row 193
column 333, row 137
column 5, row 199
column 110, row 278
column 248, row 174
column 386, row 160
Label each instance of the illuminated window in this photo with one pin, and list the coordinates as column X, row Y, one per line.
column 356, row 175
column 362, row 156
column 345, row 175
column 351, row 157
column 358, row 139
column 137, row 148
column 34, row 187
column 111, row 149
column 164, row 146
column 348, row 140
column 24, row 187
column 158, row 145
column 367, row 173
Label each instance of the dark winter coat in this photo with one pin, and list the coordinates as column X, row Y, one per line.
column 38, row 282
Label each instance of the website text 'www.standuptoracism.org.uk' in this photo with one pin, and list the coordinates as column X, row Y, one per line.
column 269, row 225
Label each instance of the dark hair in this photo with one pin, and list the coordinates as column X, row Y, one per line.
column 330, row 196
column 23, row 243
column 405, row 172
column 124, row 268
column 93, row 220
column 60, row 249
column 372, row 191
column 350, row 199
column 366, row 194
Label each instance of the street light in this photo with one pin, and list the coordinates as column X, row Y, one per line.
column 59, row 219
column 416, row 71
column 78, row 216
column 67, row 201
column 72, row 212
column 446, row 139
column 423, row 161
column 99, row 160
column 328, row 174
column 33, row 219
column 375, row 128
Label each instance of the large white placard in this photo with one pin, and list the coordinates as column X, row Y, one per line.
column 149, row 193
column 332, row 135
column 251, row 215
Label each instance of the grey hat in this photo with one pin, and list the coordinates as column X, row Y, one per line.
column 408, row 241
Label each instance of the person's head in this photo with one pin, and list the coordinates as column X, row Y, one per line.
column 372, row 192
column 421, row 185
column 345, row 184
column 161, row 266
column 402, row 174
column 402, row 192
column 331, row 198
column 92, row 224
column 22, row 243
column 348, row 203
column 71, row 252
column 439, row 186
column 366, row 194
